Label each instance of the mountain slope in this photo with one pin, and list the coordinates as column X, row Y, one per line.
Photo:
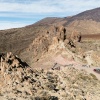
column 48, row 21
column 93, row 14
column 18, row 39
column 34, row 40
column 87, row 22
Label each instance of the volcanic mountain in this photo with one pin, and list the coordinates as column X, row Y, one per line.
column 78, row 33
column 53, row 59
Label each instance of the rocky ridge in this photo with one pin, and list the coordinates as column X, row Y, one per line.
column 31, row 42
column 70, row 38
column 20, row 82
column 44, row 42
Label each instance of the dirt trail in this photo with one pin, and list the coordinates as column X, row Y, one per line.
column 60, row 60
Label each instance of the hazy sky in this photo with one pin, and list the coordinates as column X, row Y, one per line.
column 18, row 13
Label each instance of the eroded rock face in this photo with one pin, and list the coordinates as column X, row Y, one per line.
column 11, row 61
column 74, row 38
column 11, row 69
column 54, row 38
column 61, row 33
column 42, row 43
column 23, row 83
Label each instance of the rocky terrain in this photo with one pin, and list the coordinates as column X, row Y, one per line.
column 18, row 81
column 59, row 57
column 20, row 40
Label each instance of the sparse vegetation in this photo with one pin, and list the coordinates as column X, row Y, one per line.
column 42, row 45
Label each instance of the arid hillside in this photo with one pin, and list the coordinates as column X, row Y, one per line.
column 93, row 14
column 53, row 59
column 33, row 41
column 87, row 22
column 18, row 81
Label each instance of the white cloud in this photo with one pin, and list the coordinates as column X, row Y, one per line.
column 49, row 6
column 27, row 8
column 37, row 8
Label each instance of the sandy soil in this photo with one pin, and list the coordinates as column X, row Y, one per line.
column 48, row 62
column 91, row 36
column 60, row 60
